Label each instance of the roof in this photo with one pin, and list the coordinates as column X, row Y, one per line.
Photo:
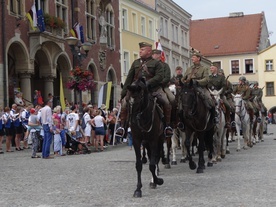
column 227, row 35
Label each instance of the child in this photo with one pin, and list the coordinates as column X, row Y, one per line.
column 33, row 124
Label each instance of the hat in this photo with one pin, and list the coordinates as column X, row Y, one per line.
column 178, row 68
column 155, row 51
column 198, row 54
column 216, row 64
column 114, row 109
column 144, row 44
column 32, row 110
column 221, row 71
column 90, row 106
column 103, row 107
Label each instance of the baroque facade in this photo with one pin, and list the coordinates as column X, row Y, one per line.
column 33, row 60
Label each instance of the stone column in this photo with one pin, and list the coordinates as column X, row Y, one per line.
column 25, row 86
column 48, row 86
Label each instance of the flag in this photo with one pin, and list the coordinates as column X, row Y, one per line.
column 81, row 34
column 104, row 95
column 40, row 20
column 76, row 29
column 159, row 47
column 61, row 94
column 73, row 32
column 32, row 17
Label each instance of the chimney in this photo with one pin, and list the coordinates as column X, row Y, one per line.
column 236, row 14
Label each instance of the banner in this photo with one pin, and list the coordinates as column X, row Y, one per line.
column 159, row 47
column 40, row 20
column 61, row 94
column 32, row 17
column 104, row 95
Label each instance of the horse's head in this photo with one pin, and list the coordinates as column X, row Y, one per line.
column 216, row 94
column 188, row 98
column 238, row 101
column 137, row 91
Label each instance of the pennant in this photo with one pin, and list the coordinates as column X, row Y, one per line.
column 61, row 94
column 32, row 17
column 40, row 20
column 104, row 95
column 81, row 34
column 159, row 47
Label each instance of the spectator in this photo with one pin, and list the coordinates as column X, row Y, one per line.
column 111, row 125
column 33, row 123
column 25, row 117
column 57, row 130
column 98, row 121
column 2, row 132
column 72, row 122
column 7, row 121
column 19, row 100
column 35, row 98
column 17, row 123
column 87, row 121
column 129, row 135
column 47, row 123
column 64, row 128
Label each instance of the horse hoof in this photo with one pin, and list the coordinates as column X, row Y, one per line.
column 214, row 161
column 144, row 160
column 192, row 165
column 174, row 162
column 199, row 170
column 238, row 150
column 227, row 151
column 152, row 185
column 167, row 166
column 245, row 148
column 262, row 140
column 209, row 164
column 183, row 161
column 223, row 156
column 160, row 181
column 230, row 141
column 219, row 159
column 137, row 194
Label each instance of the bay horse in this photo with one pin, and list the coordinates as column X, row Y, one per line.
column 147, row 128
column 197, row 119
column 258, row 125
column 242, row 121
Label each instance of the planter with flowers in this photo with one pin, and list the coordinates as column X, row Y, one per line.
column 80, row 80
column 54, row 24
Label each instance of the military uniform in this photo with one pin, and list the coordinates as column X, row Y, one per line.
column 196, row 72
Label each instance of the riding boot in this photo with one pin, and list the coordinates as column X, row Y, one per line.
column 214, row 115
column 227, row 119
column 174, row 116
column 168, row 130
column 121, row 131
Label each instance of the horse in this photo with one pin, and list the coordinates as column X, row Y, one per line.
column 219, row 136
column 147, row 127
column 258, row 125
column 197, row 120
column 242, row 121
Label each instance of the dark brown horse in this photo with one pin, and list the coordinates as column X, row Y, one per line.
column 147, row 128
column 197, row 119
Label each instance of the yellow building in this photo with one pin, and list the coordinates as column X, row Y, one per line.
column 138, row 23
column 267, row 76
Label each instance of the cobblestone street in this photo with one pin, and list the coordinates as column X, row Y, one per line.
column 243, row 179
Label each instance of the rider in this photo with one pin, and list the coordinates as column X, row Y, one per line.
column 169, row 98
column 199, row 72
column 244, row 89
column 258, row 92
column 217, row 82
column 152, row 70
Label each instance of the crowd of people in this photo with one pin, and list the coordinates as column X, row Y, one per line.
column 27, row 126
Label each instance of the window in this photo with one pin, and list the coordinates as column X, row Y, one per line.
column 176, row 34
column 124, row 19
column 166, row 28
column 126, row 62
column 235, row 67
column 91, row 20
column 41, row 4
column 150, row 29
column 61, row 9
column 16, row 7
column 182, row 38
column 110, row 27
column 270, row 88
column 134, row 22
column 161, row 26
column 143, row 26
column 268, row 65
column 173, row 33
column 248, row 65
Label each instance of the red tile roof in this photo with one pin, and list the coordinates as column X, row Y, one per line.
column 226, row 35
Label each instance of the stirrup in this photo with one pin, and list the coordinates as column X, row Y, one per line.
column 120, row 132
column 168, row 131
column 259, row 120
column 233, row 124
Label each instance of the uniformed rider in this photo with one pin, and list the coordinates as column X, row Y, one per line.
column 152, row 70
column 196, row 73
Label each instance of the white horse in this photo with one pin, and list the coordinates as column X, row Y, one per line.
column 219, row 136
column 242, row 121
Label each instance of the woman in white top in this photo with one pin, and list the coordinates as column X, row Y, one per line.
column 87, row 119
column 98, row 122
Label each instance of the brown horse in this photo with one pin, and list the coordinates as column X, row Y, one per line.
column 147, row 128
column 197, row 119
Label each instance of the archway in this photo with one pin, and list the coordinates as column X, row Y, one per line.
column 111, row 77
column 93, row 93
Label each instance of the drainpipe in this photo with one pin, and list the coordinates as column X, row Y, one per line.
column 4, row 53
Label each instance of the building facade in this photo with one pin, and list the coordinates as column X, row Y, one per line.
column 32, row 59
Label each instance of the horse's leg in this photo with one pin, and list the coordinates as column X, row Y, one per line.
column 183, row 148
column 139, row 166
column 154, row 158
column 215, row 145
column 238, row 125
column 224, row 143
column 169, row 146
column 209, row 139
column 144, row 158
column 261, row 129
column 192, row 164
column 174, row 146
column 201, row 161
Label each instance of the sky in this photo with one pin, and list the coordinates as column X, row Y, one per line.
column 205, row 9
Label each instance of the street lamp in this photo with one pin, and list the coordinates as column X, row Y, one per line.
column 76, row 48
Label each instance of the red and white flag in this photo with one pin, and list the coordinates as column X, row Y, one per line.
column 159, row 47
